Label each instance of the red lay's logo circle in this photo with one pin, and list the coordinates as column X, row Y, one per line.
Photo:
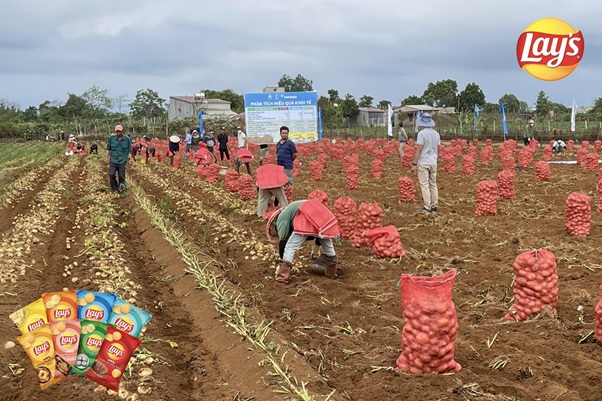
column 124, row 324
column 69, row 340
column 116, row 351
column 94, row 342
column 94, row 313
column 550, row 49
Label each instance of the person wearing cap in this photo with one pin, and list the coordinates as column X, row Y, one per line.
column 119, row 151
column 174, row 147
column 293, row 227
column 286, row 152
column 242, row 138
column 196, row 139
column 270, row 181
column 209, row 140
column 188, row 140
column 222, row 139
column 425, row 162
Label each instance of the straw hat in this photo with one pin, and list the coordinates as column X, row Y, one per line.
column 174, row 139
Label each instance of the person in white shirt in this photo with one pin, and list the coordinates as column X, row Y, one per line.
column 559, row 146
column 425, row 162
column 242, row 138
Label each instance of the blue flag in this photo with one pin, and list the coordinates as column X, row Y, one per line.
column 476, row 116
column 504, row 123
column 201, row 130
column 319, row 123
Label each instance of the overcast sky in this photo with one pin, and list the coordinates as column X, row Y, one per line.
column 387, row 49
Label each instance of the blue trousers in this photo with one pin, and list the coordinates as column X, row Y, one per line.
column 120, row 170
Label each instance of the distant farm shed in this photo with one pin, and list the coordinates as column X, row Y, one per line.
column 186, row 106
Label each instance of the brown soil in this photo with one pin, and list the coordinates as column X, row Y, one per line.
column 347, row 330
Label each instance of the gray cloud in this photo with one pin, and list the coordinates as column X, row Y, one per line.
column 385, row 49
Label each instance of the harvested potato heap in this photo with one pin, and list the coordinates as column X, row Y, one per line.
column 246, row 187
column 535, row 285
column 524, row 157
column 213, row 172
column 430, row 324
column 591, row 162
column 202, row 171
column 385, row 242
column 296, row 167
column 449, row 162
column 269, row 159
column 599, row 191
column 376, row 169
column 316, row 170
column 582, row 156
column 468, row 164
column 408, row 155
column 486, row 156
column 353, row 177
column 542, row 171
column 547, row 152
column 577, row 214
column 599, row 319
column 486, row 198
column 570, row 145
column 319, row 195
column 506, row 188
column 345, row 210
column 288, row 191
column 369, row 216
column 406, row 189
column 598, row 145
column 231, row 179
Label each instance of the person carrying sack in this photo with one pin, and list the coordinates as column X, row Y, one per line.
column 270, row 182
column 301, row 221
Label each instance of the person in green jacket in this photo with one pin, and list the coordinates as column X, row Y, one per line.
column 119, row 151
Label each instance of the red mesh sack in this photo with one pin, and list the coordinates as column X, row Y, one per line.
column 315, row 170
column 449, row 163
column 201, row 171
column 386, row 242
column 376, row 169
column 581, row 156
column 598, row 145
column 599, row 191
column 203, row 156
column 508, row 163
column 506, row 188
column 246, row 188
column 591, row 162
column 232, row 180
column 319, row 195
column 288, row 191
column 213, row 172
column 369, row 216
column 585, row 145
column 160, row 157
column 535, row 285
column 345, row 210
column 408, row 154
column 524, row 157
column 313, row 218
column 430, row 324
column 296, row 168
column 269, row 159
column 542, row 171
column 599, row 319
column 353, row 177
column 406, row 190
column 577, row 214
column 468, row 165
column 570, row 145
column 547, row 152
column 486, row 198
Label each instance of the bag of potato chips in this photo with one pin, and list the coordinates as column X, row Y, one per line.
column 94, row 305
column 65, row 335
column 39, row 347
column 92, row 335
column 30, row 317
column 113, row 358
column 129, row 318
column 60, row 305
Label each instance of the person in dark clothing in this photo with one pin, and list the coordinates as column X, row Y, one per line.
column 174, row 147
column 222, row 139
column 196, row 139
column 135, row 150
column 94, row 148
column 209, row 140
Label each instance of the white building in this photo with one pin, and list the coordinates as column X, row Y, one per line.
column 187, row 106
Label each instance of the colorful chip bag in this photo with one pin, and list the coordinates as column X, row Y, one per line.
column 60, row 305
column 94, row 305
column 65, row 335
column 39, row 347
column 92, row 334
column 113, row 358
column 30, row 317
column 129, row 318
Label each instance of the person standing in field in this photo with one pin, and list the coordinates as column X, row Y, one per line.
column 403, row 139
column 188, row 141
column 209, row 140
column 286, row 152
column 119, row 151
column 270, row 182
column 222, row 139
column 530, row 134
column 425, row 162
column 263, row 151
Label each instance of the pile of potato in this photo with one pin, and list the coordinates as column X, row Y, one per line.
column 405, row 186
column 578, row 214
column 542, row 171
column 506, row 189
column 486, row 198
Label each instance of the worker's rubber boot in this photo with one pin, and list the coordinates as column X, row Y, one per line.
column 283, row 272
column 326, row 265
column 331, row 267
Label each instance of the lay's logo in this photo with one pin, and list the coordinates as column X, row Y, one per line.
column 35, row 325
column 62, row 313
column 550, row 49
column 124, row 325
column 93, row 342
column 94, row 314
column 68, row 340
column 116, row 352
column 42, row 348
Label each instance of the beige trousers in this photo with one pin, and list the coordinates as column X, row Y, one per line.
column 427, row 177
column 264, row 197
column 402, row 146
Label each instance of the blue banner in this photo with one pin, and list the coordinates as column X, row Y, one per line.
column 319, row 123
column 504, row 123
column 201, row 130
column 476, row 116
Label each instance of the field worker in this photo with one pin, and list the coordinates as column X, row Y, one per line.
column 244, row 156
column 94, row 148
column 135, row 150
column 242, row 138
column 196, row 139
column 302, row 221
column 270, row 181
column 559, row 145
column 286, row 152
column 403, row 139
column 174, row 147
column 188, row 141
column 119, row 151
column 263, row 151
column 530, row 131
column 425, row 162
column 209, row 140
column 222, row 139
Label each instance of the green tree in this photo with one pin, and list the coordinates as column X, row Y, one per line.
column 30, row 113
column 384, row 104
column 237, row 101
column 542, row 104
column 297, row 84
column 98, row 99
column 441, row 93
column 75, row 106
column 470, row 96
column 147, row 104
column 412, row 100
column 597, row 108
column 511, row 103
column 333, row 95
column 349, row 107
column 366, row 101
column 120, row 103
